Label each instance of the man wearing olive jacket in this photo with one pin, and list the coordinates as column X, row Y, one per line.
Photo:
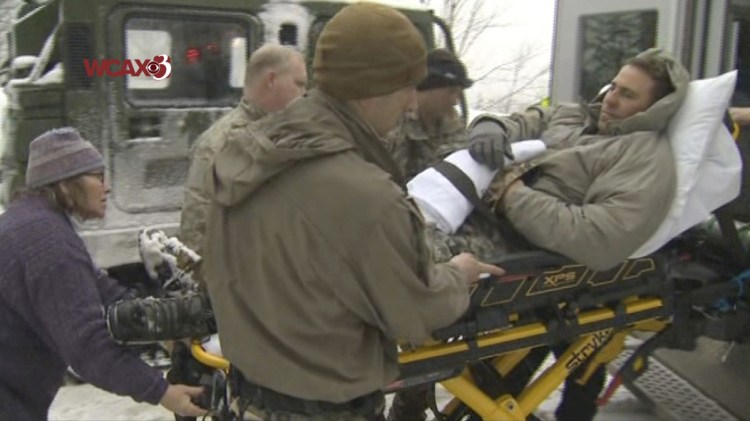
column 316, row 262
column 605, row 183
column 601, row 190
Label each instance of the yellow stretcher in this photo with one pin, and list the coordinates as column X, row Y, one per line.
column 696, row 285
column 688, row 289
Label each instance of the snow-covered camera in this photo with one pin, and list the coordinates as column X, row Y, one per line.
column 146, row 320
column 181, row 309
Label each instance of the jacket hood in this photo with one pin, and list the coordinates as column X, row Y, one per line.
column 257, row 151
column 657, row 116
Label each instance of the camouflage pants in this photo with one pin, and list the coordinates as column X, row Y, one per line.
column 484, row 238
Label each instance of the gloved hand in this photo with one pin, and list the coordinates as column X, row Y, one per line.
column 489, row 145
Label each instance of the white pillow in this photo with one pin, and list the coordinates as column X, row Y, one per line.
column 707, row 161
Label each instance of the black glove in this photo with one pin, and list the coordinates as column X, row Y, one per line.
column 489, row 145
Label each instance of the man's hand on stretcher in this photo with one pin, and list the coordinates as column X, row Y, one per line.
column 473, row 268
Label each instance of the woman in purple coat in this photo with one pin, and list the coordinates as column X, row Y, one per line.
column 52, row 295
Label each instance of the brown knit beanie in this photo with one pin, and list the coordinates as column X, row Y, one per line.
column 59, row 154
column 368, row 50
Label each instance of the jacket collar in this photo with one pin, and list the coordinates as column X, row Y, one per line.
column 368, row 144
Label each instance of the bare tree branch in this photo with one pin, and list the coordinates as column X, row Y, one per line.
column 507, row 81
column 524, row 55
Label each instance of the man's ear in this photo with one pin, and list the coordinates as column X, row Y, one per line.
column 271, row 78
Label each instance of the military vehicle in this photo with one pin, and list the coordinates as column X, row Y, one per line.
column 95, row 65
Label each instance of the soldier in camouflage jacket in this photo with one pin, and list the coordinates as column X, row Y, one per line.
column 275, row 76
column 436, row 130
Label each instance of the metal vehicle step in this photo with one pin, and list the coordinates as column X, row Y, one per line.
column 670, row 396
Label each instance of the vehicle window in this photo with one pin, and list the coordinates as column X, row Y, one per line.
column 142, row 44
column 608, row 40
column 238, row 60
column 207, row 60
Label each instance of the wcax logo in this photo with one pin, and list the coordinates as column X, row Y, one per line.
column 158, row 68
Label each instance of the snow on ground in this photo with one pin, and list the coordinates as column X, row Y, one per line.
column 87, row 403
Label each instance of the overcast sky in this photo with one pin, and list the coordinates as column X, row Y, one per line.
column 525, row 24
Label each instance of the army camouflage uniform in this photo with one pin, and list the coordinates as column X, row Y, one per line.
column 478, row 235
column 196, row 202
column 414, row 148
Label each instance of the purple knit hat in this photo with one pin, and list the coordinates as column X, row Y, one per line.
column 59, row 154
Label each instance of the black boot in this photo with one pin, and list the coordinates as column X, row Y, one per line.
column 578, row 401
column 410, row 404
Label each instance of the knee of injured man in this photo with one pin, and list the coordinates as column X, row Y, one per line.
column 499, row 187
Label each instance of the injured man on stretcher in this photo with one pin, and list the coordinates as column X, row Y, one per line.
column 597, row 183
column 595, row 189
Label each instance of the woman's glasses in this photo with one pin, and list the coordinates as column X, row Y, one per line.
column 98, row 175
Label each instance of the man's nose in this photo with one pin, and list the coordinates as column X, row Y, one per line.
column 610, row 99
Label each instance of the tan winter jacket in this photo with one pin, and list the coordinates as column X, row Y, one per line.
column 316, row 262
column 596, row 197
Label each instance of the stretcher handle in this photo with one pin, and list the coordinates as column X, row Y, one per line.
column 206, row 358
column 531, row 262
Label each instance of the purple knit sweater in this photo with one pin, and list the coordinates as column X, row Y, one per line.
column 51, row 316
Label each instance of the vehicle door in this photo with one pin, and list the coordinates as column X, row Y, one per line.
column 154, row 121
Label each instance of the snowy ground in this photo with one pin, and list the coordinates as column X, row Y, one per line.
column 87, row 403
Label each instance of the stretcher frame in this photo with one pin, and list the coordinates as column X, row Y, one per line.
column 651, row 299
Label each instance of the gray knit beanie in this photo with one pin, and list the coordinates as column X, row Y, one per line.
column 59, row 154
